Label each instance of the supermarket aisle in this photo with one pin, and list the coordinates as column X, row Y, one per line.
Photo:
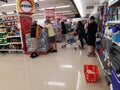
column 60, row 71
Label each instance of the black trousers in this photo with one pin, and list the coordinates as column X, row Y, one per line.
column 81, row 38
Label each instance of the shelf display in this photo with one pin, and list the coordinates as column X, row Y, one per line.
column 43, row 42
column 10, row 35
column 109, row 50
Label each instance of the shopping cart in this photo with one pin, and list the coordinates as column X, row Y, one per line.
column 71, row 40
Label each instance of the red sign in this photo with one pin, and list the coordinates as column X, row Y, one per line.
column 50, row 13
column 26, row 23
column 59, row 15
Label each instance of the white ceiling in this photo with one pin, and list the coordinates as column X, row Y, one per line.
column 54, row 3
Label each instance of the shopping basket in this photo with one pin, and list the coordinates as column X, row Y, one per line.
column 91, row 73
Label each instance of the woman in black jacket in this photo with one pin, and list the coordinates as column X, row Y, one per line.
column 81, row 33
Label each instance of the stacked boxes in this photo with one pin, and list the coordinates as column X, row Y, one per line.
column 43, row 42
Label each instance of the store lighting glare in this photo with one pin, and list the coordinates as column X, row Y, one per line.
column 79, row 7
column 50, row 8
column 42, row 0
column 11, row 4
column 60, row 84
column 66, row 6
column 10, row 12
column 64, row 11
column 66, row 66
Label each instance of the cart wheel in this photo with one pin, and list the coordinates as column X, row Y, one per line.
column 75, row 48
column 62, row 47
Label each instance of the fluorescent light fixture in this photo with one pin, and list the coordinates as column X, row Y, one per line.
column 10, row 12
column 66, row 66
column 79, row 6
column 64, row 11
column 11, row 4
column 42, row 0
column 63, row 6
column 60, row 84
column 68, row 13
column 50, row 8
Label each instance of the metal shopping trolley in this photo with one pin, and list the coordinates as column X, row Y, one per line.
column 71, row 40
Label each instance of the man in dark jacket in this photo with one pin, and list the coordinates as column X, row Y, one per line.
column 92, row 29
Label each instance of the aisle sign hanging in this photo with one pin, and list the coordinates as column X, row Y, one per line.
column 50, row 13
column 26, row 6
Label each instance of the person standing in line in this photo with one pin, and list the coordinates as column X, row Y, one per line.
column 81, row 33
column 51, row 34
column 92, row 29
column 64, row 31
column 34, row 34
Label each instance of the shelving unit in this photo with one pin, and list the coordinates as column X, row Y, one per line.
column 11, row 34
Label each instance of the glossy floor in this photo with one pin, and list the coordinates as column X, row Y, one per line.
column 58, row 71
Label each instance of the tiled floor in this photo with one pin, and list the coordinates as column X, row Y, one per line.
column 59, row 71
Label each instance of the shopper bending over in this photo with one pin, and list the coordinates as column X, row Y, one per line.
column 34, row 34
column 81, row 33
column 51, row 34
column 92, row 29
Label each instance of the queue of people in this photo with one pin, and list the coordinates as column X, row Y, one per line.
column 86, row 31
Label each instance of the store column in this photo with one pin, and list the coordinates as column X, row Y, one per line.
column 25, row 8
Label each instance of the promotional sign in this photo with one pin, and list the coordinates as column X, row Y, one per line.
column 25, row 23
column 59, row 15
column 50, row 14
column 26, row 6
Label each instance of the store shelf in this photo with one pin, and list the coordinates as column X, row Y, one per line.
column 3, row 38
column 101, row 64
column 4, row 26
column 16, row 50
column 113, row 22
column 3, row 49
column 13, row 36
column 117, row 43
column 114, row 3
column 3, row 32
column 15, row 43
column 3, row 44
column 11, row 50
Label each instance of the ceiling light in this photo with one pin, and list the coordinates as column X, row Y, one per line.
column 79, row 7
column 42, row 0
column 68, row 13
column 50, row 8
column 10, row 12
column 64, row 11
column 11, row 4
column 63, row 6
